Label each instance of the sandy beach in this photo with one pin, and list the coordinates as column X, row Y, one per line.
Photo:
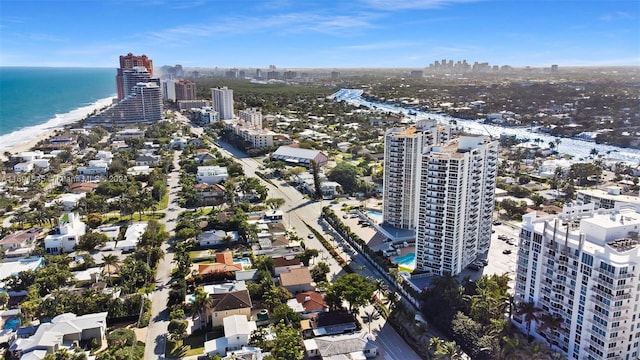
column 28, row 145
column 24, row 139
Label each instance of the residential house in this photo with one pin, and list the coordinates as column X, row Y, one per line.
column 69, row 201
column 297, row 280
column 139, row 170
column 23, row 167
column 129, row 134
column 105, row 156
column 178, row 142
column 273, row 215
column 308, row 304
column 28, row 156
column 64, row 331
column 82, row 187
column 204, row 156
column 333, row 322
column 131, row 237
column 283, row 264
column 227, row 304
column 237, row 330
column 217, row 238
column 211, row 174
column 146, row 160
column 95, row 167
column 224, row 264
column 21, row 243
column 357, row 345
column 209, row 194
column 69, row 230
column 10, row 267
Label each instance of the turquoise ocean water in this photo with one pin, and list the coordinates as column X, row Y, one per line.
column 36, row 99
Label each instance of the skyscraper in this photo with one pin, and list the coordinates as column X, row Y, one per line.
column 142, row 105
column 402, row 151
column 128, row 62
column 222, row 99
column 132, row 77
column 185, row 90
column 455, row 203
column 581, row 268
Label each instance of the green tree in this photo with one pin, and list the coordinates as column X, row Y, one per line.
column 317, row 182
column 202, row 301
column 352, row 288
column 285, row 313
column 286, row 345
column 320, row 271
column 529, row 311
column 274, row 203
column 177, row 329
column 90, row 241
column 346, row 175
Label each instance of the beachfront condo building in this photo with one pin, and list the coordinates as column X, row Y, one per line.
column 142, row 105
column 128, row 62
column 133, row 77
column 222, row 99
column 403, row 148
column 581, row 269
column 455, row 202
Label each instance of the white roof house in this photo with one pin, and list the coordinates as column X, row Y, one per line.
column 211, row 174
column 216, row 237
column 70, row 200
column 62, row 331
column 10, row 267
column 132, row 236
column 354, row 346
column 31, row 155
column 237, row 330
column 70, row 228
column 23, row 167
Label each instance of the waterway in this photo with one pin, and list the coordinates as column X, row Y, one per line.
column 579, row 149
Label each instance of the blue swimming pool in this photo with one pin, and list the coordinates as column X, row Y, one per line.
column 11, row 324
column 375, row 216
column 408, row 260
column 245, row 262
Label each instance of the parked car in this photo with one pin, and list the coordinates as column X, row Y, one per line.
column 473, row 267
column 497, row 223
column 506, row 252
column 310, row 236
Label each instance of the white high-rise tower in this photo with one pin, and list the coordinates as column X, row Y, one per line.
column 581, row 268
column 222, row 99
column 455, row 204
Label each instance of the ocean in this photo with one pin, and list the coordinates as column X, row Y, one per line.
column 34, row 100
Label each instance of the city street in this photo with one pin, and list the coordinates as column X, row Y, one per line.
column 157, row 329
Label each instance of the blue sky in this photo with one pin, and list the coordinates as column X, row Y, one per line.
column 328, row 33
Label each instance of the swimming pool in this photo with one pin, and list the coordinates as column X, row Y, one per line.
column 375, row 216
column 408, row 260
column 11, row 324
column 244, row 261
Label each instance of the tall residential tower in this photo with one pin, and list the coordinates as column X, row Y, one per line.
column 581, row 269
column 455, row 204
column 128, row 62
column 222, row 99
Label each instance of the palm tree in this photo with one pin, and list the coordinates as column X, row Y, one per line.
column 202, row 301
column 110, row 265
column 370, row 316
column 449, row 350
column 550, row 323
column 529, row 311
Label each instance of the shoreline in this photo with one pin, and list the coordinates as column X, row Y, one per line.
column 26, row 138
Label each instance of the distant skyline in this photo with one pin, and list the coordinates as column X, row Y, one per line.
column 320, row 34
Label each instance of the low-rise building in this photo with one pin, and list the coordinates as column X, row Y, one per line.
column 146, row 160
column 131, row 133
column 131, row 237
column 237, row 330
column 227, row 304
column 217, row 238
column 21, row 243
column 283, row 264
column 65, row 330
column 357, row 345
column 298, row 156
column 609, row 199
column 69, row 230
column 297, row 280
column 211, row 174
column 23, row 167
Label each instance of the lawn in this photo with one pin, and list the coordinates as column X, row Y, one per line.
column 164, row 202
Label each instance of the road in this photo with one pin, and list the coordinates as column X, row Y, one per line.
column 157, row 329
column 299, row 210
